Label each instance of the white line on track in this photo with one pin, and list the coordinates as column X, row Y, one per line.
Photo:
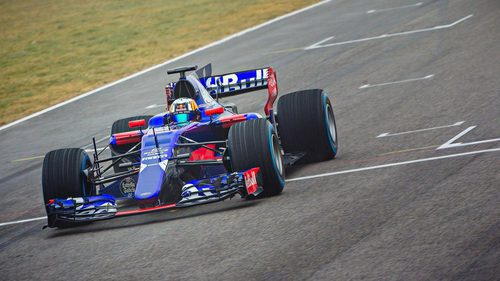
column 97, row 141
column 397, row 82
column 155, row 106
column 384, row 36
column 341, row 172
column 315, row 45
column 394, row 164
column 99, row 149
column 450, row 143
column 22, row 221
column 216, row 43
column 394, row 8
column 388, row 134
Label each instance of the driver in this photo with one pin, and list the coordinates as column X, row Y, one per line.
column 183, row 111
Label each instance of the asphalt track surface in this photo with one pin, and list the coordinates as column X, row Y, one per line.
column 436, row 218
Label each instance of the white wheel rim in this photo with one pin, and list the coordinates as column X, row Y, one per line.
column 331, row 123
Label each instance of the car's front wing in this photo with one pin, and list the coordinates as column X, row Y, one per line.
column 196, row 192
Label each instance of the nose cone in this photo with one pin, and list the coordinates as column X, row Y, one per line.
column 149, row 183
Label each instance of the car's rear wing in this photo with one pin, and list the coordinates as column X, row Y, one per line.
column 235, row 83
column 231, row 84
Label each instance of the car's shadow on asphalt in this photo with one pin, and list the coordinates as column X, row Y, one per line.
column 152, row 218
column 295, row 169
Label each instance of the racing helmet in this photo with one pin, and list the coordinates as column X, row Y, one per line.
column 183, row 111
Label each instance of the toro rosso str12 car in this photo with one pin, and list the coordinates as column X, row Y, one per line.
column 203, row 153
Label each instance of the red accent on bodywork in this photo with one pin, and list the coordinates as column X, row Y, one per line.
column 128, row 137
column 272, row 88
column 145, row 210
column 228, row 121
column 203, row 153
column 137, row 123
column 212, row 111
column 251, row 180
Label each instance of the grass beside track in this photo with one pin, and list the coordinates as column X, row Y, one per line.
column 51, row 50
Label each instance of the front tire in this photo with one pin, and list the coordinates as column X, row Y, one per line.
column 254, row 143
column 306, row 123
column 63, row 176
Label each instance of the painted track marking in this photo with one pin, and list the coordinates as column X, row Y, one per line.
column 388, row 134
column 155, row 106
column 451, row 143
column 99, row 149
column 338, row 173
column 394, row 164
column 22, row 221
column 27, row 158
column 410, row 150
column 213, row 44
column 397, row 82
column 97, row 141
column 384, row 36
column 318, row 44
column 394, row 8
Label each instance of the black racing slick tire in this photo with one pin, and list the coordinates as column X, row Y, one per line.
column 121, row 126
column 254, row 143
column 63, row 176
column 306, row 123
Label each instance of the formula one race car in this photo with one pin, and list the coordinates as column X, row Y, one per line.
column 199, row 151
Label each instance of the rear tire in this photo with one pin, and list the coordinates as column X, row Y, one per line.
column 254, row 143
column 306, row 123
column 63, row 177
column 121, row 126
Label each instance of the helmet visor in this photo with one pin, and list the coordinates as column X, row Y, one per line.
column 181, row 117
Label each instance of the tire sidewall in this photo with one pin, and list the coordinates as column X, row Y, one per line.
column 332, row 143
column 86, row 188
column 304, row 125
column 271, row 134
column 254, row 143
